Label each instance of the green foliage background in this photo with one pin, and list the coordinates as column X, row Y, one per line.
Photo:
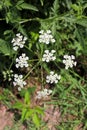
column 67, row 19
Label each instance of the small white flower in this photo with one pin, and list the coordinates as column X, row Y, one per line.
column 69, row 61
column 8, row 75
column 43, row 94
column 18, row 81
column 15, row 48
column 22, row 61
column 46, row 37
column 18, row 41
column 52, row 78
column 19, row 88
column 48, row 31
column 49, row 56
column 41, row 32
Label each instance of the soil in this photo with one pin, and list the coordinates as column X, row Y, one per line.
column 52, row 116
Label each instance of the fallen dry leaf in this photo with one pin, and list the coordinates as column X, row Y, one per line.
column 52, row 116
column 6, row 118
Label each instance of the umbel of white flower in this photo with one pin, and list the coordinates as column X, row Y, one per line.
column 43, row 94
column 46, row 37
column 18, row 41
column 69, row 61
column 8, row 74
column 22, row 61
column 53, row 78
column 18, row 81
column 49, row 56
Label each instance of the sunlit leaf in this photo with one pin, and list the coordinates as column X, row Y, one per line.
column 28, row 6
column 36, row 120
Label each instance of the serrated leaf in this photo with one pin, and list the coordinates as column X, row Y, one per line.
column 28, row 6
column 5, row 48
column 29, row 90
column 75, row 7
column 20, row 2
column 27, row 98
column 39, row 110
column 23, row 116
column 18, row 105
column 29, row 113
column 7, row 32
column 36, row 120
column 7, row 3
column 22, row 30
column 82, row 22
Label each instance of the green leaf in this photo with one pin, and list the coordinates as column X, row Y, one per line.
column 80, row 37
column 36, row 120
column 69, row 3
column 5, row 48
column 42, row 2
column 27, row 98
column 20, row 2
column 29, row 113
column 23, row 116
column 7, row 32
column 28, row 6
column 29, row 90
column 18, row 105
column 75, row 7
column 39, row 110
column 7, row 3
column 82, row 22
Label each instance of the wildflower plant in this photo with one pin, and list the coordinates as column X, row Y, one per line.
column 53, row 78
column 49, row 56
column 43, row 94
column 18, row 81
column 18, row 41
column 55, row 51
column 69, row 61
column 22, row 61
column 8, row 75
column 46, row 37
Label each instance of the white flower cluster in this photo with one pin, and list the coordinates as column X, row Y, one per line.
column 52, row 78
column 18, row 81
column 8, row 75
column 22, row 61
column 69, row 61
column 46, row 37
column 49, row 56
column 43, row 94
column 18, row 41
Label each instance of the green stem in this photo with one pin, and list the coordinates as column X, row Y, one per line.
column 42, row 78
column 31, row 51
column 42, row 20
column 31, row 70
column 27, row 20
column 34, row 60
column 12, row 61
column 75, row 74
